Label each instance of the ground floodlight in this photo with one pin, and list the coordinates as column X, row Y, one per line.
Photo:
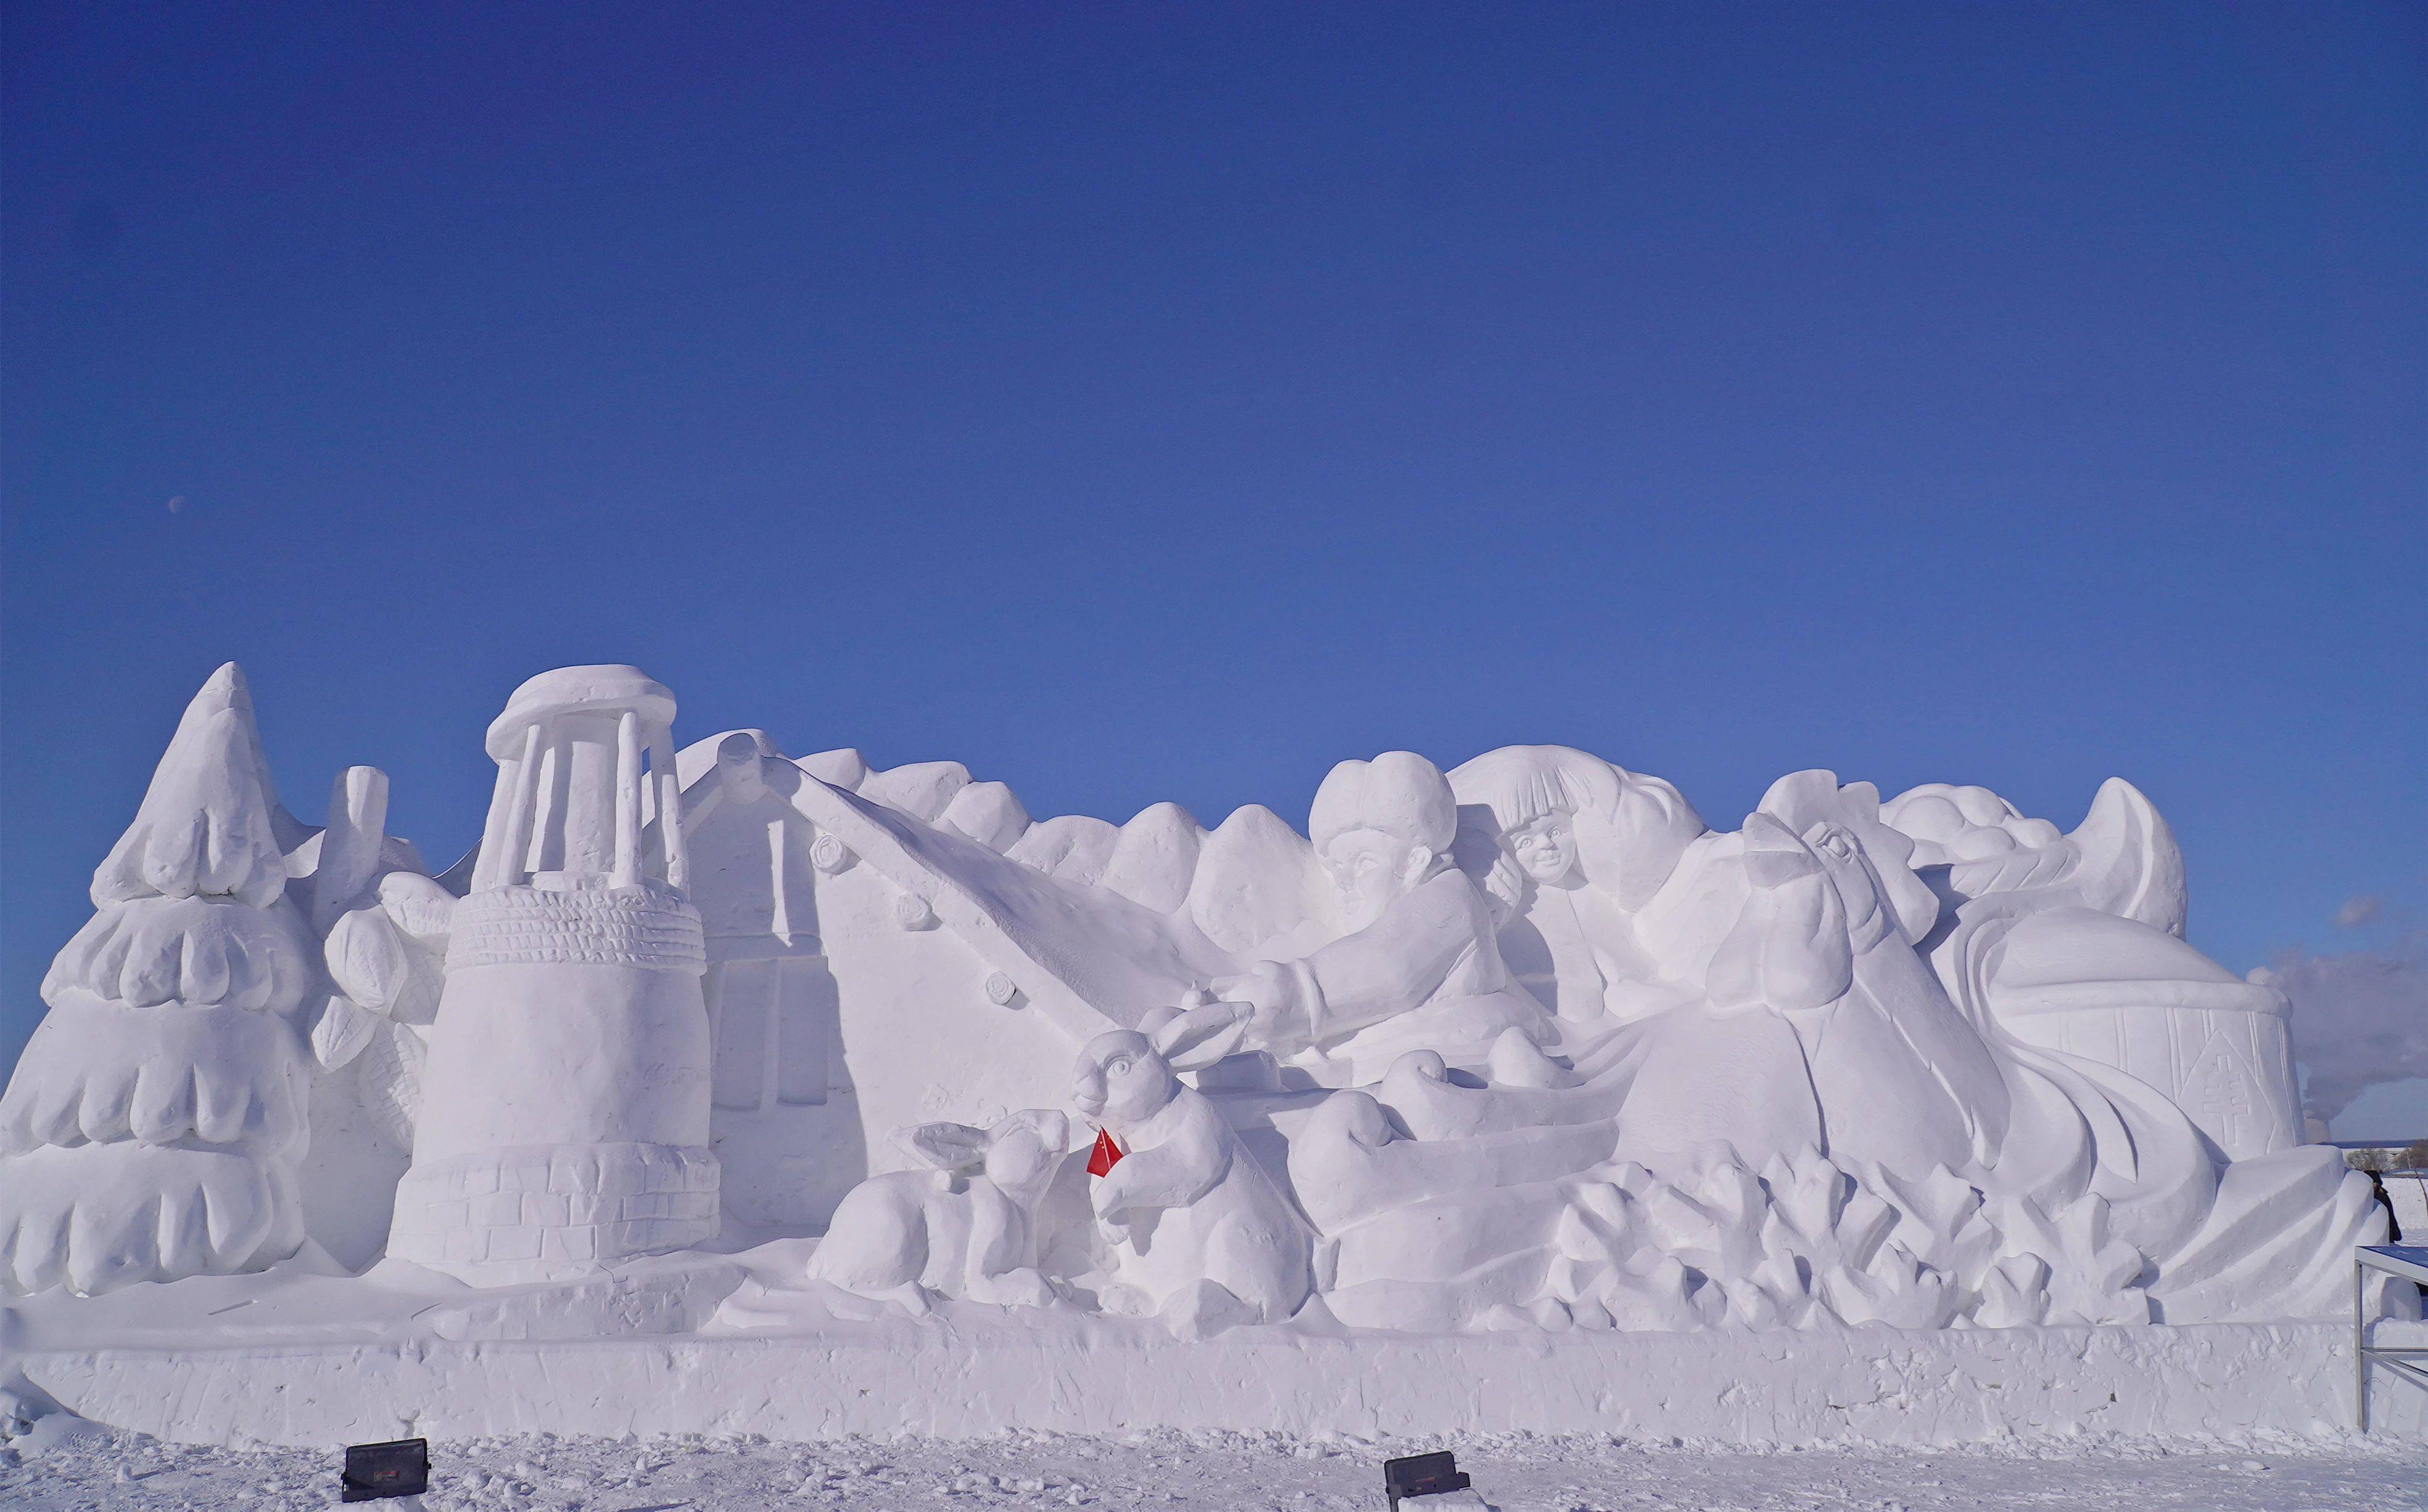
column 376, row 1471
column 1421, row 1475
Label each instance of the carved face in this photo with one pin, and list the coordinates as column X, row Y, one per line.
column 1370, row 870
column 1120, row 1079
column 1025, row 1150
column 1544, row 849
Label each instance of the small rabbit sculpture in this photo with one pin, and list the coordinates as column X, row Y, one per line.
column 964, row 1227
column 1198, row 1230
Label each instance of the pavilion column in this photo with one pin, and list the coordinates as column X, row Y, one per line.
column 669, row 795
column 627, row 872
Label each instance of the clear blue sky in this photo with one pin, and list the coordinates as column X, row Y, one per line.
column 1153, row 401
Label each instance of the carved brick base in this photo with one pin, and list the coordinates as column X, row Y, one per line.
column 535, row 1213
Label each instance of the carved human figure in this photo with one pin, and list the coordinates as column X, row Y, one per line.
column 1906, row 1077
column 1572, row 846
column 1820, row 945
column 1788, row 996
column 1419, row 966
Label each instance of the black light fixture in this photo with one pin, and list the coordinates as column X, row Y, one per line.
column 376, row 1471
column 1422, row 1475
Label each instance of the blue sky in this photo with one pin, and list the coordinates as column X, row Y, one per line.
column 1165, row 401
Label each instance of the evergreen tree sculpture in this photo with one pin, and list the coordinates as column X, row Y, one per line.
column 155, row 1124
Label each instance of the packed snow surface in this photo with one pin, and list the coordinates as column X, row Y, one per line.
column 87, row 1468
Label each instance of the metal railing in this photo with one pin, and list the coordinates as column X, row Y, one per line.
column 2404, row 1262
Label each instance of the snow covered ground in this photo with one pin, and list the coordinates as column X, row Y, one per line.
column 92, row 1471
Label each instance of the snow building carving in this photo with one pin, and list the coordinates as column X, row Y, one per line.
column 1525, row 1044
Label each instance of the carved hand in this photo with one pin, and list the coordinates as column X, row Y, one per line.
column 1109, row 1196
column 1504, row 886
column 1274, row 1013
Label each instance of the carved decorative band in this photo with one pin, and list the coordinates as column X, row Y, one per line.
column 589, row 928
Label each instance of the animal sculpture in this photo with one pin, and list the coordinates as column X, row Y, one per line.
column 1201, row 1234
column 964, row 1227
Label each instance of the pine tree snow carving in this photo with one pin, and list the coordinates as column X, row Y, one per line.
column 154, row 1124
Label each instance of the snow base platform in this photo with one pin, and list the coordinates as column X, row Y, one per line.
column 939, row 1378
column 306, row 1353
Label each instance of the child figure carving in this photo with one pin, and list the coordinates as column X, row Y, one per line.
column 1418, row 967
column 1571, row 846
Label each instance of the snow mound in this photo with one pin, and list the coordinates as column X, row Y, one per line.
column 1155, row 857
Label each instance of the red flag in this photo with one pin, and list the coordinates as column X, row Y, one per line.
column 1105, row 1155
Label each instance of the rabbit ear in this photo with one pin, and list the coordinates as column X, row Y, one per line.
column 1196, row 1039
column 944, row 1146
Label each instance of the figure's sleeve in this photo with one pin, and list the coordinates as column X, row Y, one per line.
column 1397, row 963
column 1789, row 950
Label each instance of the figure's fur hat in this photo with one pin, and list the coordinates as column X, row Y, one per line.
column 1399, row 793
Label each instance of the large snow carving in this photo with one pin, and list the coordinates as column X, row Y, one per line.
column 564, row 1115
column 152, row 1129
column 1524, row 1045
column 2075, row 943
column 1419, row 966
column 1202, row 1234
column 966, row 1226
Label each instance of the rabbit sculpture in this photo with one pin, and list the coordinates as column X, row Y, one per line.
column 1199, row 1231
column 964, row 1227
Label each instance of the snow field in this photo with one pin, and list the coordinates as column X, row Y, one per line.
column 90, row 1470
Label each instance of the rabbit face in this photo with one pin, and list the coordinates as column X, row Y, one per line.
column 1120, row 1078
column 1024, row 1151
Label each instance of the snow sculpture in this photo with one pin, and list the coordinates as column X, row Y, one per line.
column 964, row 1227
column 2075, row 943
column 564, row 1117
column 890, row 937
column 384, row 924
column 1798, row 1001
column 239, row 953
column 1202, row 1235
column 1527, row 1046
column 771, row 997
column 1571, row 846
column 153, row 1128
column 1419, row 966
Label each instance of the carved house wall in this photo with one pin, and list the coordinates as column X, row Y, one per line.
column 842, row 1011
